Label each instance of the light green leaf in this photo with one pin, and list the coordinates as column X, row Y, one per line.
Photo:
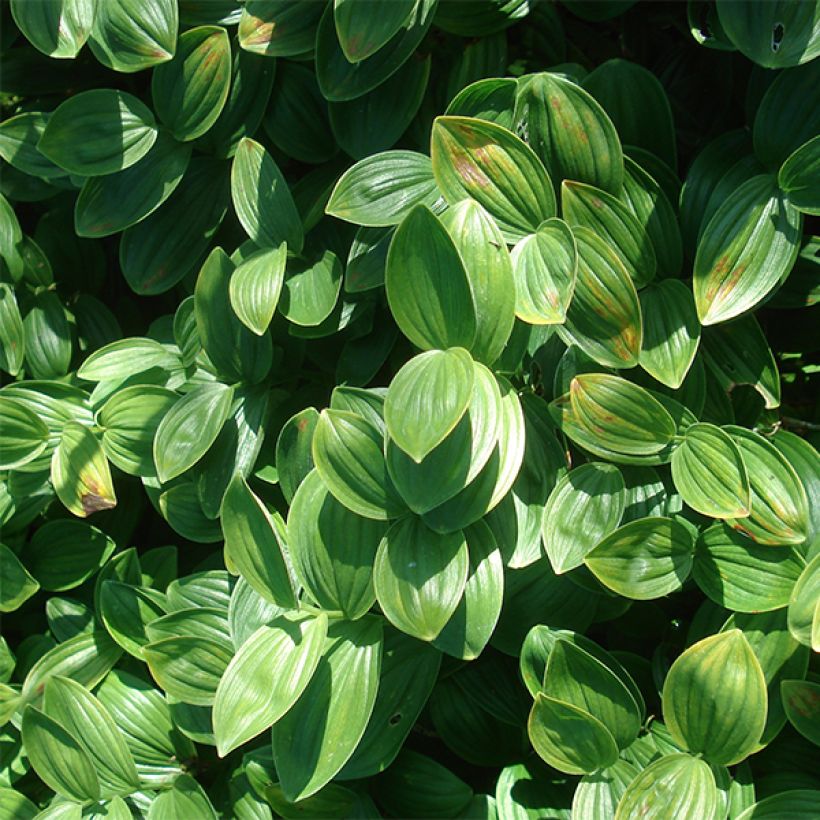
column 623, row 416
column 347, row 451
column 746, row 249
column 671, row 331
column 709, row 473
column 126, row 357
column 427, row 399
column 262, row 199
column 743, row 576
column 597, row 795
column 545, row 266
column 804, row 611
column 675, row 785
column 382, row 189
column 98, row 132
column 86, row 719
column 190, row 427
column 131, row 35
column 255, row 287
column 59, row 760
column 585, row 506
column 570, row 132
column 185, row 798
column 58, row 28
column 25, row 436
column 793, row 804
column 190, row 91
column 551, row 722
column 126, row 610
column 266, row 677
column 714, row 699
column 428, row 289
column 481, row 160
column 16, row 584
column 311, row 289
column 332, row 549
column 320, row 732
column 604, row 316
column 779, row 503
column 252, row 544
column 80, row 472
column 644, row 559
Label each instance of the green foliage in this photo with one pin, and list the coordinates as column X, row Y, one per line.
column 438, row 381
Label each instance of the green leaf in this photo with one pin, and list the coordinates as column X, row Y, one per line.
column 491, row 99
column 266, row 677
column 576, row 678
column 252, row 544
column 737, row 353
column 109, row 204
column 17, row 805
column 363, row 28
column 382, row 189
column 311, row 289
column 87, row 658
column 671, row 331
column 80, row 472
column 636, row 102
column 551, row 721
column 597, row 795
column 47, row 337
column 126, row 357
column 589, row 207
column 604, row 316
column 644, row 559
column 57, row 28
column 741, row 575
column 427, row 398
column 470, row 627
column 545, row 267
column 570, row 132
column 161, row 250
column 804, row 613
column 126, row 610
column 488, row 267
column 675, row 785
column 12, row 340
column 277, row 28
column 130, row 419
column 319, row 733
column 16, row 584
column 799, row 177
column 481, row 160
column 190, row 91
column 340, row 79
column 774, row 35
column 801, row 699
column 746, row 249
column 332, row 549
column 86, row 719
column 262, row 199
column 237, row 353
column 460, row 456
column 255, row 287
column 294, row 459
column 585, row 506
column 622, row 415
column 59, row 760
column 25, row 435
column 62, row 554
column 347, row 452
column 19, row 136
column 98, row 132
column 714, row 699
column 419, row 576
column 709, row 473
column 427, row 286
column 408, row 672
column 190, row 427
column 794, row 803
column 185, row 798
column 130, row 35
column 779, row 504
column 188, row 667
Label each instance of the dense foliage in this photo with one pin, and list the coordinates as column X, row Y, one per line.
column 406, row 409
